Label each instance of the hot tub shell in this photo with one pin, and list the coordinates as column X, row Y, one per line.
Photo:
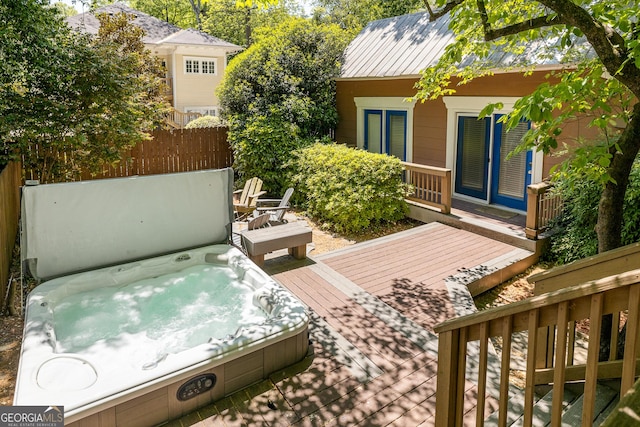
column 92, row 390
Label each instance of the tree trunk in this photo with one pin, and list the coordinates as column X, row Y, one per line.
column 610, row 209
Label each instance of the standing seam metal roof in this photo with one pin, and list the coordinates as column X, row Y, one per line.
column 405, row 45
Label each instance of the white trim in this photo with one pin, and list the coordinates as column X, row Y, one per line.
column 200, row 60
column 395, row 103
column 461, row 105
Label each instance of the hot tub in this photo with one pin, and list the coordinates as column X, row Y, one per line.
column 146, row 341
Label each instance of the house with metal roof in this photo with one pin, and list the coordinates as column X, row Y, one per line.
column 381, row 67
column 195, row 61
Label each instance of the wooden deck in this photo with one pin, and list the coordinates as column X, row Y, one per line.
column 373, row 307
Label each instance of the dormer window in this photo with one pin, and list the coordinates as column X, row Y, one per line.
column 194, row 65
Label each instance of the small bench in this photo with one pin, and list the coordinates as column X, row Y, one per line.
column 292, row 236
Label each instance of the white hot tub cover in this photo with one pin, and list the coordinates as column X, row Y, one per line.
column 78, row 226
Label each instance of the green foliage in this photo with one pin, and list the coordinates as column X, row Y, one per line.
column 575, row 230
column 176, row 12
column 236, row 23
column 280, row 93
column 354, row 15
column 348, row 189
column 205, row 122
column 263, row 146
column 290, row 68
column 61, row 92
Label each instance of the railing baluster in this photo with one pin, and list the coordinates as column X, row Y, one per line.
column 572, row 343
column 446, row 393
column 631, row 340
column 593, row 352
column 615, row 336
column 532, row 345
column 559, row 366
column 507, row 327
column 462, row 369
column 482, row 373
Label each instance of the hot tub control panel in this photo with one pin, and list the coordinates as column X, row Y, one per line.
column 196, row 386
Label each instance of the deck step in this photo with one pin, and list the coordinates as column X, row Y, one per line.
column 606, row 399
column 541, row 410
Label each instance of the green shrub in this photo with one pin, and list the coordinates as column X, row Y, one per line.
column 575, row 230
column 350, row 189
column 205, row 122
column 262, row 147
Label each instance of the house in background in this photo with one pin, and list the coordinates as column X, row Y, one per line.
column 195, row 61
column 381, row 67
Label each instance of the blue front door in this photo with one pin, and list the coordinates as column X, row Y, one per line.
column 484, row 169
column 510, row 174
column 472, row 156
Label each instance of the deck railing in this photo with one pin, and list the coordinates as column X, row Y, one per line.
column 179, row 120
column 543, row 205
column 431, row 185
column 558, row 311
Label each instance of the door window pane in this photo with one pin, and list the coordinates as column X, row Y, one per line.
column 473, row 158
column 373, row 131
column 512, row 171
column 397, row 132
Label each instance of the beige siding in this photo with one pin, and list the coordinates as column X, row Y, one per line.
column 196, row 90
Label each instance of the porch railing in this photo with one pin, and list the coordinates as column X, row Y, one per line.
column 431, row 185
column 179, row 120
column 543, row 205
column 558, row 310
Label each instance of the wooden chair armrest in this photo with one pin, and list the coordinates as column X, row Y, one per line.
column 269, row 201
column 258, row 194
column 272, row 208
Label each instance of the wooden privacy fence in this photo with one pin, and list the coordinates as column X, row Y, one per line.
column 431, row 185
column 169, row 151
column 10, row 181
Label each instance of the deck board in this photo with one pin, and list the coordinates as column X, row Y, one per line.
column 373, row 308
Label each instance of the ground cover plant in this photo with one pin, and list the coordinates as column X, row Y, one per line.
column 349, row 190
column 575, row 234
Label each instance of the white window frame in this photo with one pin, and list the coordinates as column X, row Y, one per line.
column 385, row 104
column 197, row 63
column 472, row 105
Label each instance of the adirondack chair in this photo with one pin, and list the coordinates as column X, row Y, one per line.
column 244, row 201
column 276, row 208
column 254, row 223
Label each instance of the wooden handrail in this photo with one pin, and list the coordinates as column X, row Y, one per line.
column 431, row 185
column 558, row 309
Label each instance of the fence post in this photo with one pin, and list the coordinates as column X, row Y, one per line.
column 446, row 192
column 532, row 225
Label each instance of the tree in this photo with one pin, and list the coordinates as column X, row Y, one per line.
column 284, row 85
column 61, row 92
column 176, row 12
column 236, row 23
column 604, row 83
column 353, row 15
column 601, row 85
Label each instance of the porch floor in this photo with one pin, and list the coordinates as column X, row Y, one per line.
column 373, row 353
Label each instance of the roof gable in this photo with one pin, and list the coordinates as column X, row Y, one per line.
column 156, row 30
